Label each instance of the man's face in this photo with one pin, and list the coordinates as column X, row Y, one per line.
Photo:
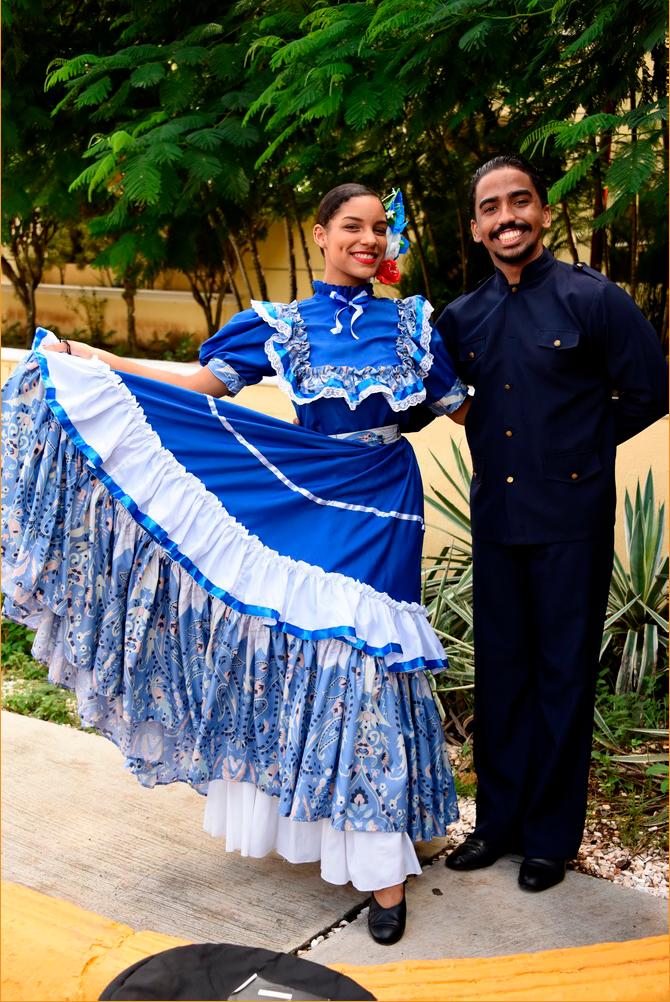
column 509, row 216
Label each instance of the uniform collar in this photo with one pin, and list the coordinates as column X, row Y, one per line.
column 342, row 292
column 531, row 273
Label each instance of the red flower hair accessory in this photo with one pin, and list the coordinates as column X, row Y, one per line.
column 388, row 272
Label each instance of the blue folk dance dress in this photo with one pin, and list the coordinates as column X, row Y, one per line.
column 236, row 600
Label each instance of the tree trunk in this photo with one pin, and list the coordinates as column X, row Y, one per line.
column 664, row 321
column 31, row 312
column 419, row 249
column 203, row 299
column 462, row 247
column 218, row 311
column 433, row 242
column 634, row 214
column 129, row 290
column 301, row 234
column 258, row 267
column 290, row 250
column 240, row 264
column 28, row 243
column 597, row 236
column 599, row 249
column 570, row 235
column 23, row 294
column 232, row 283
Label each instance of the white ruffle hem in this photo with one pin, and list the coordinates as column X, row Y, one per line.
column 250, row 823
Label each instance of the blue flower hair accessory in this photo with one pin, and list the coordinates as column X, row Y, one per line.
column 397, row 244
column 388, row 272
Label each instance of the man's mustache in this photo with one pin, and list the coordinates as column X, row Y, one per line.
column 524, row 227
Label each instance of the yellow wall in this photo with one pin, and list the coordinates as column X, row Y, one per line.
column 169, row 308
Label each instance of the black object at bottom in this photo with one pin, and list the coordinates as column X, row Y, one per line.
column 209, row 971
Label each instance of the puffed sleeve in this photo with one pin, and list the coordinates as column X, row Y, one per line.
column 236, row 353
column 445, row 391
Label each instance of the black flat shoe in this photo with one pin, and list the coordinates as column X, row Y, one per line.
column 473, row 854
column 537, row 874
column 386, row 925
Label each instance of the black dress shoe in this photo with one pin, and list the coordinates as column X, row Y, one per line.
column 473, row 854
column 386, row 925
column 537, row 874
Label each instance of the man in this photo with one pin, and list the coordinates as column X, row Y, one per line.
column 564, row 368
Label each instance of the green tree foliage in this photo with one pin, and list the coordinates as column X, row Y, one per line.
column 40, row 155
column 216, row 120
column 438, row 86
column 173, row 160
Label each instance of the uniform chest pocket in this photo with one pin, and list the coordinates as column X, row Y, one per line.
column 472, row 351
column 571, row 467
column 557, row 339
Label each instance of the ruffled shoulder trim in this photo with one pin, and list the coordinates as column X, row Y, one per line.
column 287, row 350
column 276, row 315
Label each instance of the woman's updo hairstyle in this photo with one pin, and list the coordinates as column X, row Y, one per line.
column 336, row 197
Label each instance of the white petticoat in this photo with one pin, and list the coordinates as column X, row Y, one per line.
column 248, row 819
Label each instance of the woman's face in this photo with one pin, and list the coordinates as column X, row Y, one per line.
column 353, row 241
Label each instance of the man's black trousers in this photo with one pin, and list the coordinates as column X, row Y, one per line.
column 538, row 615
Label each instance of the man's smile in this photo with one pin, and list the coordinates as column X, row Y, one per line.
column 510, row 236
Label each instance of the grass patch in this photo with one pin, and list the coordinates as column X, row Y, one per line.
column 25, row 686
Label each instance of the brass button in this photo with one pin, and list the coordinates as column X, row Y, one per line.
column 513, row 288
column 508, row 386
column 574, row 476
column 557, row 343
column 471, row 354
column 510, row 480
column 509, row 433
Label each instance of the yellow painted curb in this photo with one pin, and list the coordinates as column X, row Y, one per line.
column 53, row 951
column 634, row 971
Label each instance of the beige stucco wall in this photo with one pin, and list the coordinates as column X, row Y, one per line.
column 169, row 307
column 649, row 449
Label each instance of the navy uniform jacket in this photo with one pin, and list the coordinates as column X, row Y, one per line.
column 545, row 358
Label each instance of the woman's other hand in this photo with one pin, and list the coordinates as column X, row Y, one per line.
column 75, row 348
column 202, row 380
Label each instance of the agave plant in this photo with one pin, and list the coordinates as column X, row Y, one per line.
column 458, row 516
column 637, row 612
column 447, row 594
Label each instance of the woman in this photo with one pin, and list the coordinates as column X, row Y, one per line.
column 235, row 600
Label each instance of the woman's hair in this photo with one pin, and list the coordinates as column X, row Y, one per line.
column 336, row 197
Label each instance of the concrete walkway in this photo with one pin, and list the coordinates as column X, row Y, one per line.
column 81, row 829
